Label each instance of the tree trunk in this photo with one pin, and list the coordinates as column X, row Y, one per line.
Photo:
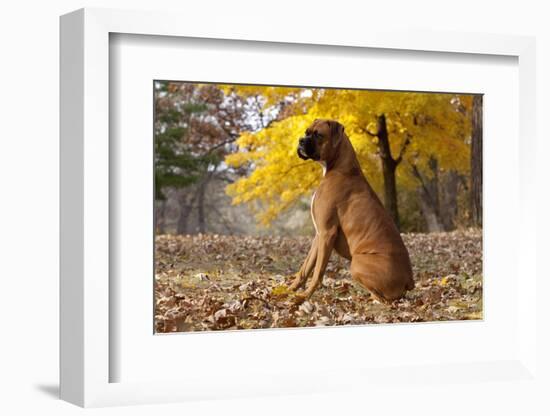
column 433, row 223
column 389, row 165
column 161, row 216
column 433, row 185
column 200, row 203
column 200, row 207
column 428, row 194
column 448, row 200
column 476, row 159
column 185, row 211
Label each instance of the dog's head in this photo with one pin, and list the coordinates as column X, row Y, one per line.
column 321, row 140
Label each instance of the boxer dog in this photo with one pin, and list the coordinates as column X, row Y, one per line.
column 349, row 218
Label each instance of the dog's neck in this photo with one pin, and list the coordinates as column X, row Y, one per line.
column 344, row 162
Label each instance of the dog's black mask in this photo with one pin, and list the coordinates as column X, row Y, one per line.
column 307, row 148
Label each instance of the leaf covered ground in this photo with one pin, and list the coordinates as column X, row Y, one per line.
column 216, row 282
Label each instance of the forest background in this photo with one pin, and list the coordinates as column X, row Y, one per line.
column 226, row 162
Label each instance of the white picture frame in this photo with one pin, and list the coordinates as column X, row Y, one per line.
column 85, row 354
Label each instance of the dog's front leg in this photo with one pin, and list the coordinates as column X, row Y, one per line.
column 307, row 266
column 325, row 244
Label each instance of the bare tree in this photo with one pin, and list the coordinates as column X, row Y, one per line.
column 477, row 161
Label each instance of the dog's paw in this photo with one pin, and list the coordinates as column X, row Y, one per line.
column 300, row 298
column 295, row 283
column 377, row 300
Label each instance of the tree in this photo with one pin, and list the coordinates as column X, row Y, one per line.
column 428, row 194
column 388, row 130
column 477, row 161
column 195, row 126
column 176, row 163
column 389, row 165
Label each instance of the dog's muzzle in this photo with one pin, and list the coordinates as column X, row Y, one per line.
column 306, row 148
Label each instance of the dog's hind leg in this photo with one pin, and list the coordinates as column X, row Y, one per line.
column 369, row 285
column 377, row 279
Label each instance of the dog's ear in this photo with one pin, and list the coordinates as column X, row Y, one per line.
column 336, row 132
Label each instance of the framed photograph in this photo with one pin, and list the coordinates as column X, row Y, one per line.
column 284, row 213
column 247, row 177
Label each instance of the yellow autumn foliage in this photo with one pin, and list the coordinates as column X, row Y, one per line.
column 437, row 126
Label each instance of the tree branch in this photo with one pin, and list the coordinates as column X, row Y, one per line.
column 425, row 189
column 403, row 148
column 221, row 144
